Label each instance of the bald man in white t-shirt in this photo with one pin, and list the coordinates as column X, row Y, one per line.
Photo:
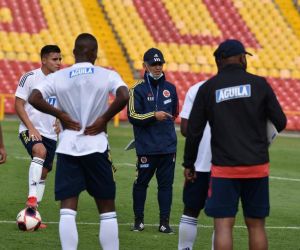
column 195, row 191
column 83, row 160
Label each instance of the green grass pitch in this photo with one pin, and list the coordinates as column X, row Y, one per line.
column 283, row 226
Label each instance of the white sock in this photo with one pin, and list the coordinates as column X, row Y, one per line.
column 67, row 229
column 108, row 232
column 40, row 190
column 187, row 232
column 35, row 173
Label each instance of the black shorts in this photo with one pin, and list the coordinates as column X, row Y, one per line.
column 224, row 194
column 93, row 172
column 195, row 193
column 49, row 144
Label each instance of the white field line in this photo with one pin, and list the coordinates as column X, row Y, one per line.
column 156, row 225
column 133, row 165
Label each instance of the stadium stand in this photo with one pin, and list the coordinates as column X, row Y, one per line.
column 187, row 31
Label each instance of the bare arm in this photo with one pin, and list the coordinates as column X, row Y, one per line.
column 183, row 126
column 2, row 148
column 122, row 97
column 37, row 101
column 20, row 109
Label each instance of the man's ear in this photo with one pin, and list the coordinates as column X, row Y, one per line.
column 145, row 66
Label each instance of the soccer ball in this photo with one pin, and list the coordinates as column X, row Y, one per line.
column 29, row 219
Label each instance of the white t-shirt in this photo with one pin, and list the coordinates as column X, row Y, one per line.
column 203, row 161
column 41, row 121
column 82, row 91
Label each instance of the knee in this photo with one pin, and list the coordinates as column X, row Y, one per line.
column 39, row 150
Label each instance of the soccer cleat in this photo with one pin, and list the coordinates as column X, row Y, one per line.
column 42, row 226
column 164, row 227
column 31, row 202
column 138, row 225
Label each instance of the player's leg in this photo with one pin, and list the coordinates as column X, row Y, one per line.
column 37, row 151
column 165, row 178
column 69, row 182
column 145, row 171
column 50, row 146
column 222, row 205
column 100, row 183
column 256, row 206
column 194, row 197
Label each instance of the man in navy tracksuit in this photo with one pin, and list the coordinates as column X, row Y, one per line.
column 152, row 108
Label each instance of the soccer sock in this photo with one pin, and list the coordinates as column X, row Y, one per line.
column 67, row 229
column 187, row 232
column 108, row 232
column 35, row 173
column 40, row 190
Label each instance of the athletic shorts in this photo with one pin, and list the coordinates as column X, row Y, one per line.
column 224, row 194
column 195, row 193
column 93, row 172
column 49, row 144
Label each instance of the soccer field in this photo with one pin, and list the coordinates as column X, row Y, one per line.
column 283, row 225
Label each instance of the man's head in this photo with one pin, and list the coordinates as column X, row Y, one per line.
column 153, row 62
column 85, row 48
column 50, row 58
column 231, row 51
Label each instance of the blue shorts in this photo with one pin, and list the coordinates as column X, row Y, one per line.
column 195, row 193
column 49, row 144
column 224, row 194
column 93, row 172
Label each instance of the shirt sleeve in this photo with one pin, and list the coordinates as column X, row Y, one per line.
column 274, row 110
column 24, row 86
column 187, row 105
column 116, row 82
column 175, row 109
column 47, row 86
column 196, row 125
column 135, row 112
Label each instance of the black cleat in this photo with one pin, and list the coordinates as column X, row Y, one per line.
column 138, row 225
column 164, row 227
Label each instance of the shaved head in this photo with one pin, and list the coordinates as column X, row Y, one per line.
column 85, row 48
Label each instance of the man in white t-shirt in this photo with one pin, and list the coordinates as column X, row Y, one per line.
column 36, row 129
column 83, row 160
column 197, row 183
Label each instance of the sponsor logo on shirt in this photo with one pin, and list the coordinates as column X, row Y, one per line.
column 144, row 165
column 150, row 97
column 167, row 101
column 81, row 71
column 166, row 93
column 241, row 91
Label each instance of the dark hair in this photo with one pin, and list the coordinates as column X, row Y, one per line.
column 49, row 49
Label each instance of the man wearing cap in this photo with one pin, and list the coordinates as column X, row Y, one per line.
column 152, row 109
column 237, row 105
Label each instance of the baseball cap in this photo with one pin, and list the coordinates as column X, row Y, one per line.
column 230, row 47
column 153, row 55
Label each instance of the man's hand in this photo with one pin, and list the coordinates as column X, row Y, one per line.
column 161, row 115
column 68, row 123
column 34, row 134
column 2, row 155
column 97, row 127
column 189, row 174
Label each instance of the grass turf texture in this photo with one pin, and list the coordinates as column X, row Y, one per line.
column 285, row 201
